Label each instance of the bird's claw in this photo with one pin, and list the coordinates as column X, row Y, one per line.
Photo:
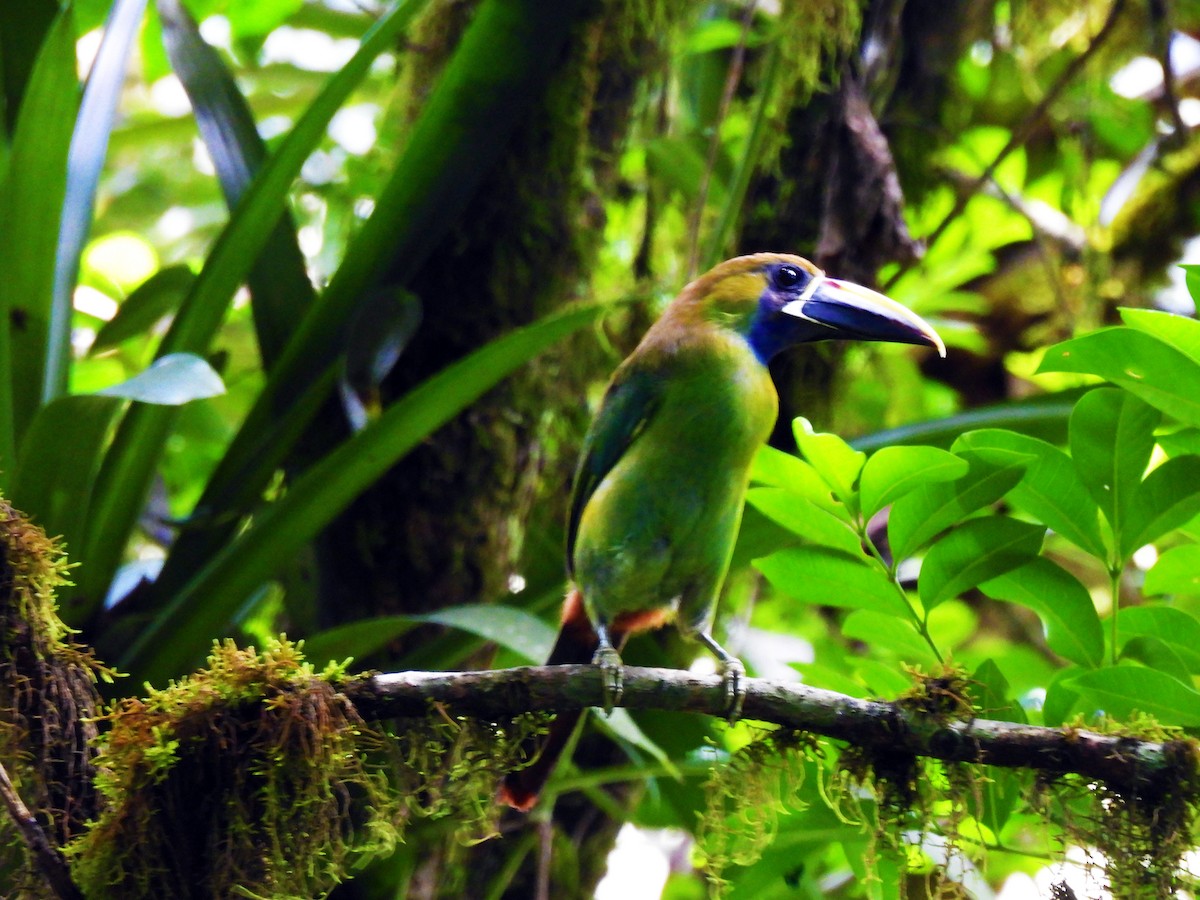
column 734, row 674
column 611, row 680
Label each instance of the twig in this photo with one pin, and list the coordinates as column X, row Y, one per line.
column 1020, row 134
column 1123, row 763
column 46, row 857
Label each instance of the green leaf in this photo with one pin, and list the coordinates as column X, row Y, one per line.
column 1181, row 332
column 774, row 468
column 278, row 280
column 518, row 630
column 200, row 611
column 31, row 199
column 170, row 380
column 356, row 640
column 1061, row 697
column 1042, row 416
column 921, row 515
column 89, row 146
column 1112, row 437
column 621, row 725
column 156, row 297
column 508, row 626
column 836, row 462
column 131, row 463
column 1001, row 791
column 1050, row 489
column 892, row 472
column 878, row 630
column 976, row 551
column 1157, row 654
column 60, row 457
column 804, row 518
column 505, row 55
column 1166, row 500
column 1073, row 628
column 826, row 577
column 1172, row 626
column 1121, row 690
column 991, row 694
column 1176, row 572
column 759, row 536
column 1144, row 365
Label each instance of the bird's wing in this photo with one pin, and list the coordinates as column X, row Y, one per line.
column 631, row 401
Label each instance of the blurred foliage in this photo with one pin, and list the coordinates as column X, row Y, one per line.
column 210, row 243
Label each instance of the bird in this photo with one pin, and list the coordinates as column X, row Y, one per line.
column 662, row 475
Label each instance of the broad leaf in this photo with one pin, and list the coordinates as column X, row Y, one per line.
column 1073, row 628
column 1143, row 365
column 826, row 577
column 1119, row 691
column 805, row 519
column 1050, row 489
column 170, row 380
column 774, row 468
column 1181, row 332
column 921, row 515
column 892, row 472
column 878, row 630
column 1112, row 436
column 976, row 551
column 1174, row 627
column 1157, row 654
column 1176, row 572
column 1167, row 499
column 836, row 462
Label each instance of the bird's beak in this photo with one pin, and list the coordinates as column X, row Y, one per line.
column 858, row 313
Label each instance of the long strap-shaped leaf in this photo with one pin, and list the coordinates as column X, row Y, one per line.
column 133, row 457
column 278, row 282
column 201, row 611
column 505, row 55
column 30, row 209
column 89, row 143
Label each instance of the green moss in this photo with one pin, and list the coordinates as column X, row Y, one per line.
column 256, row 776
column 47, row 691
column 744, row 797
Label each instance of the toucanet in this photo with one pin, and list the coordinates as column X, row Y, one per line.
column 662, row 477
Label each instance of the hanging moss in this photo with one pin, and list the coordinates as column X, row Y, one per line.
column 1138, row 837
column 743, row 799
column 47, row 691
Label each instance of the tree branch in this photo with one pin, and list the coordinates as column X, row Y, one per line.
column 1145, row 768
column 46, row 857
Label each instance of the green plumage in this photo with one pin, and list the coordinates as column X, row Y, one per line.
column 663, row 476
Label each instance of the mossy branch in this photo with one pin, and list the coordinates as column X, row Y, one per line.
column 1144, row 767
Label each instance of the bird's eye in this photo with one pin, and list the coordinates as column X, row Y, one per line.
column 787, row 277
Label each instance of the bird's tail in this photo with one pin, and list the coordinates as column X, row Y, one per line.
column 576, row 643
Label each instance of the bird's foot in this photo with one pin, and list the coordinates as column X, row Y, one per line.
column 734, row 674
column 611, row 680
